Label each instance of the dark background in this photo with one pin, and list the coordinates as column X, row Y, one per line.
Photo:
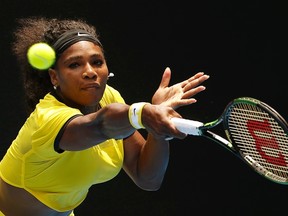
column 241, row 45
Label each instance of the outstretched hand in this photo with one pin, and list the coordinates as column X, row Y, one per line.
column 179, row 94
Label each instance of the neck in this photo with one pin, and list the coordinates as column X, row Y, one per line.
column 90, row 109
column 84, row 109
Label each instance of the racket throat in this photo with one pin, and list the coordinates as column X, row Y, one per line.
column 218, row 139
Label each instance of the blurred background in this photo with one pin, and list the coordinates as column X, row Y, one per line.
column 241, row 45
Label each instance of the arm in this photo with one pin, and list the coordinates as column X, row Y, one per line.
column 146, row 161
column 86, row 131
column 112, row 122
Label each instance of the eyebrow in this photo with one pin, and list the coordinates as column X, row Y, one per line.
column 74, row 58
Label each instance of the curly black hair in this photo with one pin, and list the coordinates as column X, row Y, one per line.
column 40, row 29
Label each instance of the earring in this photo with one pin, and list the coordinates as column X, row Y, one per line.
column 55, row 87
column 110, row 75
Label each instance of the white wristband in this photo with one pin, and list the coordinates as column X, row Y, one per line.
column 135, row 114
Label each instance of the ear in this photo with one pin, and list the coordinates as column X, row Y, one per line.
column 53, row 76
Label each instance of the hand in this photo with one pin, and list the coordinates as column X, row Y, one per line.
column 157, row 121
column 181, row 93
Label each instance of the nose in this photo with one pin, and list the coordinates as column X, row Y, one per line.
column 89, row 72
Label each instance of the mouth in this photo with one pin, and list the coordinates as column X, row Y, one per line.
column 91, row 86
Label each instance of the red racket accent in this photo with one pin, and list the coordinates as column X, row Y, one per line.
column 256, row 128
column 260, row 135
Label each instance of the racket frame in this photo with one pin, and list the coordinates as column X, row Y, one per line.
column 203, row 129
column 247, row 158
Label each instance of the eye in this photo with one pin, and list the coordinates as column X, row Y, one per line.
column 73, row 65
column 98, row 62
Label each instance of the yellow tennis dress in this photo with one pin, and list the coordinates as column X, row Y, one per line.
column 59, row 180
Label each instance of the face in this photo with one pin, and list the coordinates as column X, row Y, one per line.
column 80, row 74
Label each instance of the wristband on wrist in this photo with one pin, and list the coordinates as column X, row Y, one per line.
column 135, row 114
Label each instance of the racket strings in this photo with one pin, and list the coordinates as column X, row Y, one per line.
column 259, row 136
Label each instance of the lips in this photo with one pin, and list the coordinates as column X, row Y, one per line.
column 91, row 86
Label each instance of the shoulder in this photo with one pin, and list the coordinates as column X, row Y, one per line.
column 49, row 107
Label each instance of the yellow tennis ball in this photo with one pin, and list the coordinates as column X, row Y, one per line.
column 41, row 56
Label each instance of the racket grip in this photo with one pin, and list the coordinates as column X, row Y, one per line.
column 187, row 126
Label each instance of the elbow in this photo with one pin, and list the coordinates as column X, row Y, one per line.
column 151, row 188
column 152, row 185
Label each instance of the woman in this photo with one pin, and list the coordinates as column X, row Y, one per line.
column 79, row 131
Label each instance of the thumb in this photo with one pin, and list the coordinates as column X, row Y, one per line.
column 165, row 78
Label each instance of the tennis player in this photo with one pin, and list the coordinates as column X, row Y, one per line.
column 79, row 131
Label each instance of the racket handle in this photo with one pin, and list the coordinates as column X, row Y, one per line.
column 187, row 126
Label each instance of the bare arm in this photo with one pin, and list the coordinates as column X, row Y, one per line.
column 146, row 161
column 86, row 131
column 112, row 122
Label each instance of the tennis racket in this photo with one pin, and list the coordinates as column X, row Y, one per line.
column 255, row 132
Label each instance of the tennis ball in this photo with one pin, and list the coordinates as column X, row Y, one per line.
column 41, row 56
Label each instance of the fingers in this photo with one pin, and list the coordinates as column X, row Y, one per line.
column 179, row 94
column 196, row 76
column 193, row 83
column 192, row 92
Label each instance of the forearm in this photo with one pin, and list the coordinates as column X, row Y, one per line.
column 109, row 122
column 113, row 122
column 153, row 162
